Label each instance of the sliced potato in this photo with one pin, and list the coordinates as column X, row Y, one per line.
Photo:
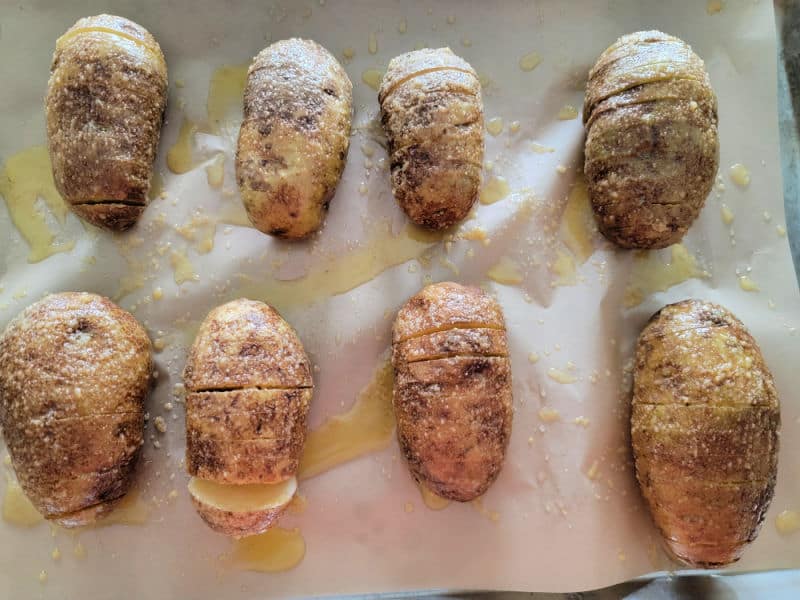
column 250, row 387
column 105, row 105
column 74, row 372
column 452, row 389
column 705, row 427
column 294, row 138
column 652, row 149
column 432, row 112
column 240, row 510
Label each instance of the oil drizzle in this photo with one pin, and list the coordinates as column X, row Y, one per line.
column 495, row 190
column 506, row 272
column 224, row 103
column 17, row 509
column 26, row 176
column 334, row 276
column 131, row 510
column 366, row 427
column 740, row 175
column 274, row 551
column 651, row 274
column 577, row 223
column 373, row 78
column 431, row 500
column 224, row 112
column 530, row 61
column 179, row 156
column 787, row 522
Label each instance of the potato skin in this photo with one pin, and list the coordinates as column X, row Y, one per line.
column 105, row 105
column 705, row 425
column 74, row 372
column 249, row 384
column 652, row 150
column 246, row 435
column 293, row 141
column 452, row 392
column 432, row 113
column 237, row 524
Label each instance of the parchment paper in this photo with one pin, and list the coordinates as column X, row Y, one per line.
column 568, row 515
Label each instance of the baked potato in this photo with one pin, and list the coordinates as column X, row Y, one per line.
column 452, row 393
column 432, row 113
column 74, row 372
column 294, row 138
column 249, row 388
column 105, row 105
column 652, row 150
column 705, row 426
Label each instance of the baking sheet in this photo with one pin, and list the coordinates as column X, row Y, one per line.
column 565, row 513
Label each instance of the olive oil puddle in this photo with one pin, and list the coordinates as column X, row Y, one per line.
column 334, row 276
column 274, row 551
column 17, row 509
column 431, row 500
column 577, row 233
column 651, row 274
column 223, row 115
column 25, row 177
column 366, row 427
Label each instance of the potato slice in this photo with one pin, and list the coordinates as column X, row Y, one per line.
column 240, row 510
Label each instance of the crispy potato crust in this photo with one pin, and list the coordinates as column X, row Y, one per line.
column 250, row 386
column 294, row 139
column 652, row 150
column 446, row 306
column 242, row 518
column 705, row 427
column 432, row 112
column 246, row 436
column 105, row 104
column 74, row 372
column 238, row 524
column 244, row 344
column 452, row 389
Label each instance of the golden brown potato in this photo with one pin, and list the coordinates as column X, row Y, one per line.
column 293, row 141
column 432, row 112
column 105, row 104
column 74, row 372
column 452, row 391
column 249, row 387
column 704, row 427
column 652, row 150
column 241, row 510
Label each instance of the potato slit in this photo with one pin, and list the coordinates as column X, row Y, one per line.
column 446, row 131
column 448, row 327
column 411, row 76
column 47, row 419
column 66, row 515
column 715, row 482
column 458, row 355
column 206, row 389
column 704, row 404
column 142, row 202
column 113, row 32
column 590, row 109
